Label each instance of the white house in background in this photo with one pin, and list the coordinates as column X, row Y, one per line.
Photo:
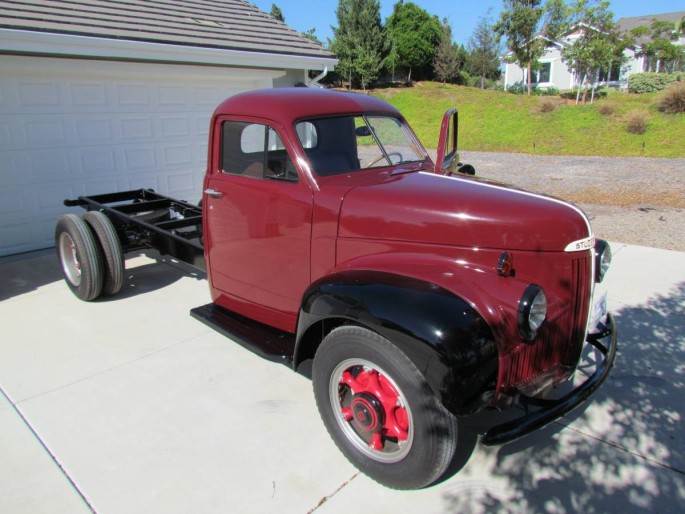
column 111, row 96
column 553, row 72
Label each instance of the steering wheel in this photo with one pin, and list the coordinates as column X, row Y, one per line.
column 397, row 154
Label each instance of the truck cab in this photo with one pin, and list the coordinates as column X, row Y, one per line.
column 326, row 218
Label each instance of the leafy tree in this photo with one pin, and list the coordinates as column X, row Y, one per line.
column 519, row 22
column 556, row 19
column 659, row 46
column 599, row 44
column 360, row 41
column 277, row 13
column 528, row 27
column 484, row 50
column 416, row 35
column 446, row 60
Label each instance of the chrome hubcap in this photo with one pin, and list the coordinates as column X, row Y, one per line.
column 71, row 266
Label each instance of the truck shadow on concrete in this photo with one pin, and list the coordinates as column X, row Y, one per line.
column 145, row 271
column 28, row 272
column 157, row 272
column 622, row 452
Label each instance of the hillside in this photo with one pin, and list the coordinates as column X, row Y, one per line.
column 495, row 121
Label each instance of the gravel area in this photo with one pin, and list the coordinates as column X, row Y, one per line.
column 635, row 200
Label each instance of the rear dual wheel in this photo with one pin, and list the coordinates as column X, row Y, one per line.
column 109, row 245
column 90, row 255
column 380, row 411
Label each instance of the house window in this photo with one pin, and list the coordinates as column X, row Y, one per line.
column 543, row 72
column 613, row 75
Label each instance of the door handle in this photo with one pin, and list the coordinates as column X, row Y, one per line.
column 213, row 193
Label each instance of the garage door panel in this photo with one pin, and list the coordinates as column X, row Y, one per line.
column 19, row 237
column 12, row 202
column 76, row 127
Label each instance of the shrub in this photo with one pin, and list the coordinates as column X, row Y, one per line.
column 547, row 106
column 606, row 109
column 517, row 89
column 636, row 122
column 673, row 100
column 652, row 82
column 600, row 92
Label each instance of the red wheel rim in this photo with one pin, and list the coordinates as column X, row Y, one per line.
column 371, row 410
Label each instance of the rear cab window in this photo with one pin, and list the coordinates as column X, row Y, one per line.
column 255, row 150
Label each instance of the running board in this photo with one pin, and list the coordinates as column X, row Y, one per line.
column 267, row 342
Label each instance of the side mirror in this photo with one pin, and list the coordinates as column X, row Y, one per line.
column 466, row 169
column 362, row 131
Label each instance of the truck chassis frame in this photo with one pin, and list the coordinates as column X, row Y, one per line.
column 144, row 219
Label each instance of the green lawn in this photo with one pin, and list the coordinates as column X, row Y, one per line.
column 502, row 122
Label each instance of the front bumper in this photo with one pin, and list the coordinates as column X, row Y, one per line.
column 549, row 410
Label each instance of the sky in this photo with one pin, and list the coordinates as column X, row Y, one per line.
column 463, row 15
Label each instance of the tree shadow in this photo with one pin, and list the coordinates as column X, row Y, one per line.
column 623, row 452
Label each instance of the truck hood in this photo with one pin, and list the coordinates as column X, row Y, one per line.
column 461, row 211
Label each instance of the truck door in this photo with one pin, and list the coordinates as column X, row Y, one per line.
column 257, row 224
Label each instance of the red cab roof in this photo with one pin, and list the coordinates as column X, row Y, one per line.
column 290, row 104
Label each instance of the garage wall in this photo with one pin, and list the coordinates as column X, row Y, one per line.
column 73, row 127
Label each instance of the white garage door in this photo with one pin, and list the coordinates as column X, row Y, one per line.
column 75, row 127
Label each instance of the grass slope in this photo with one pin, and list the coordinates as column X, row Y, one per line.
column 501, row 122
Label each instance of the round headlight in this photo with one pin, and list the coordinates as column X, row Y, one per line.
column 602, row 259
column 532, row 311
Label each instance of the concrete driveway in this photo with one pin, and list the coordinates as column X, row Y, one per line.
column 130, row 405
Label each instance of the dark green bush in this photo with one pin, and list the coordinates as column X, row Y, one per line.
column 652, row 82
column 517, row 89
column 600, row 92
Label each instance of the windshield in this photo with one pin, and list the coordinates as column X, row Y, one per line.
column 349, row 143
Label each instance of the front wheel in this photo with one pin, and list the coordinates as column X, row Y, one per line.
column 380, row 411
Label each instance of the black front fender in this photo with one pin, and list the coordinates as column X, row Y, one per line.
column 443, row 335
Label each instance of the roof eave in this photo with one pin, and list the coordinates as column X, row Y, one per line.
column 65, row 45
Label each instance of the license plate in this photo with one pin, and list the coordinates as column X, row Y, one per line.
column 598, row 314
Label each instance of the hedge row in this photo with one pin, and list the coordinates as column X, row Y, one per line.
column 652, row 82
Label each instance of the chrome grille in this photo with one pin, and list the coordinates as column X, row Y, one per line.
column 560, row 341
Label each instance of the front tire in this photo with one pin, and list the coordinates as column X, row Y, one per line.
column 380, row 411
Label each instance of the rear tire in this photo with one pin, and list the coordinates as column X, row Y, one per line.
column 79, row 257
column 380, row 411
column 110, row 247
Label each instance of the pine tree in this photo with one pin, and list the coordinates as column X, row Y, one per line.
column 360, row 41
column 446, row 60
column 484, row 50
column 277, row 13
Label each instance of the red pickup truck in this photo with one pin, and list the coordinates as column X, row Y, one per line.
column 420, row 292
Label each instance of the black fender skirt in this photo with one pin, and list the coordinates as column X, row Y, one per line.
column 442, row 334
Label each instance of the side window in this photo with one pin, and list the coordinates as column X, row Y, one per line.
column 255, row 150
